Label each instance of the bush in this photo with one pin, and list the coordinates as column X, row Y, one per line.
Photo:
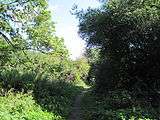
column 127, row 34
column 19, row 106
column 17, row 79
column 116, row 105
column 56, row 96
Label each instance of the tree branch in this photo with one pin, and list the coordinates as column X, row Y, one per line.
column 10, row 43
column 9, row 3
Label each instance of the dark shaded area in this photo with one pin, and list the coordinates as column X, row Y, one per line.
column 76, row 112
column 17, row 80
column 56, row 96
column 116, row 105
column 128, row 36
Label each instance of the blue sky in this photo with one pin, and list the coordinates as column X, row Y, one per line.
column 66, row 24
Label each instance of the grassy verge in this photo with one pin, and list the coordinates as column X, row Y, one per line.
column 114, row 106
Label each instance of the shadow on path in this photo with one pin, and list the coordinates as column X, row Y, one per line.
column 76, row 109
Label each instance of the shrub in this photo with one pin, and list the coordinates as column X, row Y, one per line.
column 19, row 106
column 115, row 106
column 56, row 96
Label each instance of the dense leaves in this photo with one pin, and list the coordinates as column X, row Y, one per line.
column 127, row 33
column 115, row 106
column 22, row 106
column 33, row 58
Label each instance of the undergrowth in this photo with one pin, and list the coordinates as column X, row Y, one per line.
column 114, row 106
column 50, row 100
column 20, row 106
column 57, row 96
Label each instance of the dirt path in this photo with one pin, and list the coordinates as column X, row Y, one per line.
column 76, row 109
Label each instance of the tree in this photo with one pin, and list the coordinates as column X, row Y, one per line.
column 93, row 57
column 27, row 25
column 29, row 47
column 127, row 33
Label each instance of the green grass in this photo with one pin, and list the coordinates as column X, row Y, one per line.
column 113, row 107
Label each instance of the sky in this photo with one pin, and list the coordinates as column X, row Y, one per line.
column 67, row 25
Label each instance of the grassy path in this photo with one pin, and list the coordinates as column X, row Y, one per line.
column 76, row 109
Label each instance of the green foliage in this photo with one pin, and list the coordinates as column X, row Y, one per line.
column 15, row 19
column 56, row 96
column 127, row 34
column 12, row 78
column 51, row 91
column 19, row 106
column 81, row 69
column 33, row 58
column 115, row 106
column 93, row 57
column 27, row 25
column 5, row 52
column 24, row 74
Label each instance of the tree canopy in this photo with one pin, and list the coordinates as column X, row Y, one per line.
column 127, row 33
